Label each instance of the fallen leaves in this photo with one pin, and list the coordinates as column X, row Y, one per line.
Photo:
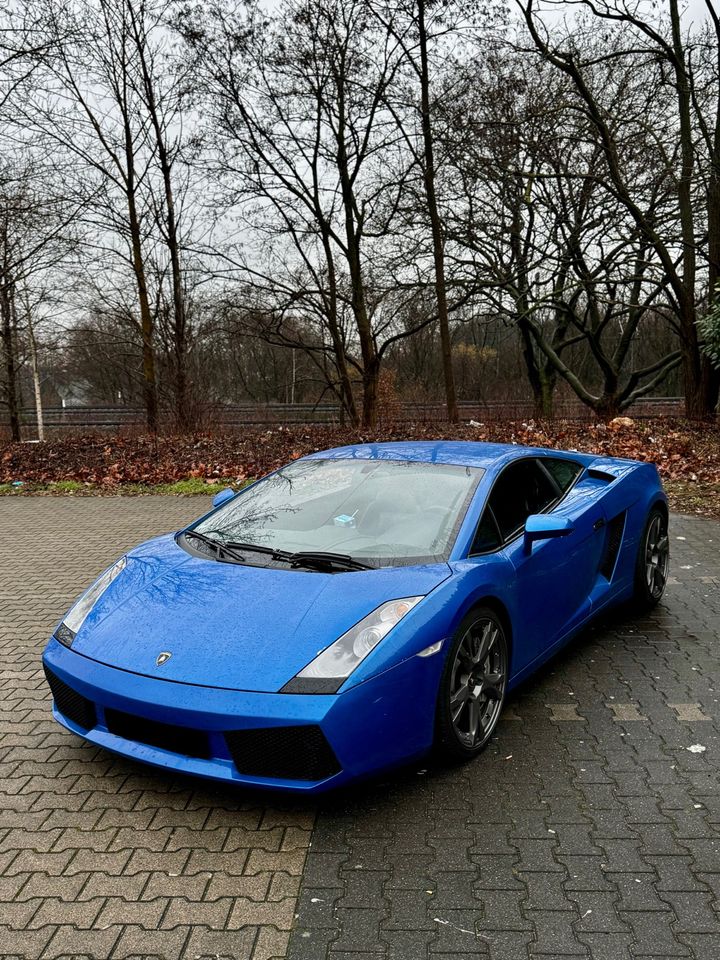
column 687, row 454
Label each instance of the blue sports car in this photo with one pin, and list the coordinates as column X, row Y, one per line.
column 355, row 609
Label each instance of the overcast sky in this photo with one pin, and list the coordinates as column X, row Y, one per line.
column 695, row 10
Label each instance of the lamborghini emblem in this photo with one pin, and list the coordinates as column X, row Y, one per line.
column 162, row 658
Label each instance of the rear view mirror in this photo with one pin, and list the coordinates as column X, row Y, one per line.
column 545, row 526
column 223, row 497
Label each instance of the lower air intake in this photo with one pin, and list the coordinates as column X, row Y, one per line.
column 287, row 753
column 71, row 704
column 166, row 736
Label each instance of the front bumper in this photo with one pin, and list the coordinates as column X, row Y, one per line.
column 375, row 725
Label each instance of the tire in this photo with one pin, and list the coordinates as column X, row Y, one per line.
column 475, row 672
column 651, row 565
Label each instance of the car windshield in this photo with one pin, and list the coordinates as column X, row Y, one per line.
column 380, row 512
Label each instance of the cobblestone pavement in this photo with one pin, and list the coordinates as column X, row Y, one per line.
column 586, row 829
column 99, row 856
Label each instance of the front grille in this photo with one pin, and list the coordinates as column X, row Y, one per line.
column 70, row 703
column 288, row 753
column 612, row 545
column 166, row 736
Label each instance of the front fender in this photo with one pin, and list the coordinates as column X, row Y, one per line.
column 438, row 615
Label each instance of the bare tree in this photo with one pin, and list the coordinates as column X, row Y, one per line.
column 36, row 237
column 299, row 104
column 646, row 35
column 161, row 85
column 84, row 102
column 420, row 26
column 550, row 244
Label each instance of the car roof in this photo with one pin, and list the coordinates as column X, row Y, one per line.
column 464, row 452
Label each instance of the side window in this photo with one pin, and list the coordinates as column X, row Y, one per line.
column 487, row 536
column 522, row 489
column 563, row 472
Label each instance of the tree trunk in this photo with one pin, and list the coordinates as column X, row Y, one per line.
column 435, row 222
column 545, row 408
column 11, row 395
column 146, row 318
column 542, row 390
column 346, row 392
column 697, row 378
column 148, row 351
column 371, row 379
column 183, row 415
column 702, row 382
column 712, row 376
column 608, row 406
column 36, row 379
column 353, row 235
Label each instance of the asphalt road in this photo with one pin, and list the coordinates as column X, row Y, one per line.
column 588, row 828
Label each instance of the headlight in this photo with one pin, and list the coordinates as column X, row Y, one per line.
column 77, row 614
column 326, row 673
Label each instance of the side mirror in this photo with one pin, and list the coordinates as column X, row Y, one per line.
column 545, row 526
column 223, row 497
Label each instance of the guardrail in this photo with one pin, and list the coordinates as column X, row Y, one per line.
column 275, row 414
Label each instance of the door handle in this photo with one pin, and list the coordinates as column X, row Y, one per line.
column 599, row 524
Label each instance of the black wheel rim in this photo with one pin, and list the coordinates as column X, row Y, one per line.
column 477, row 682
column 657, row 555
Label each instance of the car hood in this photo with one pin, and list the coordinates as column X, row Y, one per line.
column 231, row 625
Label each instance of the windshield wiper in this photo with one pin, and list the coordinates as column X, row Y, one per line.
column 259, row 548
column 318, row 558
column 313, row 558
column 303, row 558
column 217, row 546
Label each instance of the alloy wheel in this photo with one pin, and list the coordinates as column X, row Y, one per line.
column 657, row 554
column 477, row 682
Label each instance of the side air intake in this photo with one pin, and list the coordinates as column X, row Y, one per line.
column 598, row 474
column 613, row 540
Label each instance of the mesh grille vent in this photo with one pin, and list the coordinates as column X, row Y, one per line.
column 289, row 753
column 70, row 703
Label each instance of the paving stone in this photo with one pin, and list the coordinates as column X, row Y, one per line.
column 625, row 712
column 553, row 937
column 360, row 930
column 608, row 946
column 180, row 912
column 270, row 944
column 689, row 712
column 597, row 913
column 101, row 857
column 407, row 944
column 564, row 712
column 653, row 935
column 277, row 913
column 94, row 943
column 223, row 944
column 702, row 946
column 545, row 891
column 507, row 944
column 695, row 912
column 630, row 850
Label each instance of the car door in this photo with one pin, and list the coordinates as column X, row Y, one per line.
column 553, row 580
